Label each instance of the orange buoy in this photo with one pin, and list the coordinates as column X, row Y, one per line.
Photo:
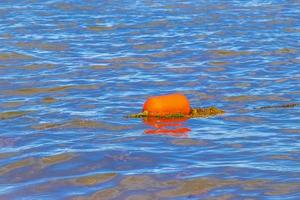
column 164, row 105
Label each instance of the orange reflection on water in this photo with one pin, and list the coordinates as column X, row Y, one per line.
column 172, row 127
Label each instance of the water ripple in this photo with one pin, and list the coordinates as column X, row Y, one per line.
column 70, row 71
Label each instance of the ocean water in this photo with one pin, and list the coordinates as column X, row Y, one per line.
column 71, row 70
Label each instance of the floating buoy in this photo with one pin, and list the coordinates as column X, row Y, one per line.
column 166, row 105
column 174, row 105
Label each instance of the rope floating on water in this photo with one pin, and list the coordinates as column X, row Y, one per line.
column 195, row 113
column 289, row 105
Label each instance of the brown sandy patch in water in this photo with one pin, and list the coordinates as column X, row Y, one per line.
column 229, row 53
column 194, row 187
column 34, row 167
column 80, row 123
column 16, row 165
column 281, row 157
column 13, row 114
column 204, row 185
column 291, row 131
column 49, row 100
column 100, row 28
column 83, row 181
column 107, row 194
column 215, row 69
column 39, row 66
column 283, row 189
column 33, row 91
column 282, row 51
column 14, row 56
column 45, row 126
column 93, row 179
column 165, row 54
column 43, row 46
column 138, row 182
column 141, row 197
column 100, row 67
column 59, row 158
column 242, row 85
column 42, row 66
column 12, row 104
column 255, row 184
column 146, row 187
column 226, row 197
column 7, row 155
column 95, row 124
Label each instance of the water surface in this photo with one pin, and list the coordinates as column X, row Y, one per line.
column 71, row 70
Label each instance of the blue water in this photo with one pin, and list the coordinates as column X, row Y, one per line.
column 71, row 70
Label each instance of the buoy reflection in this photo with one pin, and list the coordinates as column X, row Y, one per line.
column 171, row 127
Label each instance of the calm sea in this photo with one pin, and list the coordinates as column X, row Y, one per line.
column 71, row 70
